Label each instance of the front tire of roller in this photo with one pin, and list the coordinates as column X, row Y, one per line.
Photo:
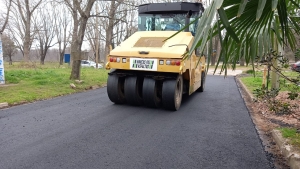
column 172, row 93
column 115, row 89
column 133, row 90
column 151, row 96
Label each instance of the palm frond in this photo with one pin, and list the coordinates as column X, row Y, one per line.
column 244, row 34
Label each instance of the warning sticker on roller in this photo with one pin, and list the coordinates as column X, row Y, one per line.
column 143, row 64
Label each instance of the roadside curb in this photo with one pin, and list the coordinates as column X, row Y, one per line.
column 287, row 150
column 3, row 105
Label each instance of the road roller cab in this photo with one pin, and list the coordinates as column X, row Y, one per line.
column 147, row 69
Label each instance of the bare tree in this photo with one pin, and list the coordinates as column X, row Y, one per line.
column 123, row 26
column 16, row 30
column 44, row 26
column 9, row 47
column 113, row 22
column 93, row 35
column 6, row 16
column 80, row 13
column 125, row 22
column 62, row 21
column 109, row 29
column 23, row 11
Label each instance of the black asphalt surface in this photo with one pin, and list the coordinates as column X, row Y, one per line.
column 212, row 129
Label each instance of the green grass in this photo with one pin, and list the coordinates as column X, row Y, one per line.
column 252, row 83
column 255, row 82
column 25, row 84
column 292, row 135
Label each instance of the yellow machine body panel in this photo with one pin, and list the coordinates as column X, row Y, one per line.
column 155, row 43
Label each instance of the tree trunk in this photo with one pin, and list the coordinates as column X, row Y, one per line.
column 75, row 50
column 218, row 49
column 214, row 54
column 10, row 60
column 242, row 61
column 75, row 53
column 43, row 56
column 27, row 42
column 76, row 59
column 61, row 58
column 44, row 51
column 75, row 74
column 274, row 75
column 61, row 51
column 78, row 35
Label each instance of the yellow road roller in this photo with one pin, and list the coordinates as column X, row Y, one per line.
column 148, row 68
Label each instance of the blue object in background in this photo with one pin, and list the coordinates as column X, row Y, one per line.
column 67, row 58
column 2, row 76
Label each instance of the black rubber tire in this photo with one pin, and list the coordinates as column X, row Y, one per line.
column 172, row 93
column 133, row 90
column 203, row 77
column 115, row 89
column 151, row 96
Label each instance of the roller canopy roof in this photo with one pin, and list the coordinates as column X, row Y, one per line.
column 177, row 7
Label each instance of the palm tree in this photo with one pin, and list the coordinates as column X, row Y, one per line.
column 249, row 28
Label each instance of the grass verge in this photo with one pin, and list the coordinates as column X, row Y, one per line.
column 255, row 82
column 25, row 84
column 292, row 135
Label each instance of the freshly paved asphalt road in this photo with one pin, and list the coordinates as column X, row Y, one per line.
column 211, row 130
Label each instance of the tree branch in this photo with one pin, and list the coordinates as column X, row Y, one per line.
column 6, row 19
column 33, row 9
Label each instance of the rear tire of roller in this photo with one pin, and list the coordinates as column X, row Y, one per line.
column 151, row 96
column 133, row 90
column 115, row 89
